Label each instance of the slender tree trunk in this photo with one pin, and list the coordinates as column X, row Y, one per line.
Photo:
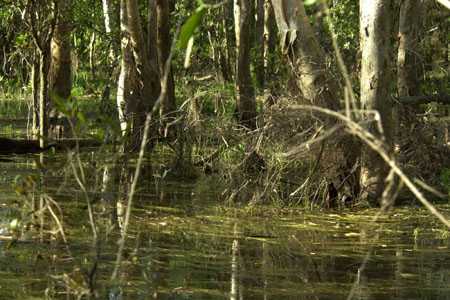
column 167, row 105
column 259, row 39
column 35, row 96
column 92, row 56
column 269, row 39
column 44, row 66
column 227, row 23
column 246, row 104
column 125, row 86
column 376, row 48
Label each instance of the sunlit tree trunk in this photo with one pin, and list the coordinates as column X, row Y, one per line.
column 61, row 64
column 167, row 106
column 139, row 83
column 376, row 49
column 44, row 66
column 126, row 84
column 306, row 54
column 60, row 75
column 246, row 104
column 269, row 39
column 41, row 20
column 35, row 96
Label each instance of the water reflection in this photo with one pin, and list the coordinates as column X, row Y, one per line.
column 182, row 245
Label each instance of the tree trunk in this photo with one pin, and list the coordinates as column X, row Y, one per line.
column 167, row 105
column 308, row 58
column 317, row 86
column 376, row 47
column 139, row 83
column 125, row 86
column 259, row 39
column 227, row 58
column 269, row 39
column 408, row 64
column 246, row 104
column 44, row 66
column 60, row 78
column 35, row 96
column 60, row 74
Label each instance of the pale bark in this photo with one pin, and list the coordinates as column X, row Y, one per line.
column 107, row 12
column 376, row 49
column 228, row 50
column 298, row 38
column 269, row 39
column 246, row 104
column 44, row 66
column 126, row 80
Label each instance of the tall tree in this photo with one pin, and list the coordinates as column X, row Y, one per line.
column 269, row 39
column 317, row 86
column 167, row 105
column 139, row 83
column 41, row 18
column 411, row 16
column 60, row 75
column 376, row 48
column 306, row 54
column 259, row 40
column 246, row 104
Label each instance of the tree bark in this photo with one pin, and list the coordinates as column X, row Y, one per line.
column 376, row 48
column 308, row 58
column 60, row 78
column 259, row 40
column 246, row 104
column 167, row 105
column 139, row 80
column 60, row 73
column 408, row 61
column 309, row 64
column 269, row 39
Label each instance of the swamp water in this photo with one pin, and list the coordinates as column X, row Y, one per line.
column 183, row 243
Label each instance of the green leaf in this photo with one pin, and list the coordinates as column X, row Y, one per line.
column 309, row 2
column 188, row 28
